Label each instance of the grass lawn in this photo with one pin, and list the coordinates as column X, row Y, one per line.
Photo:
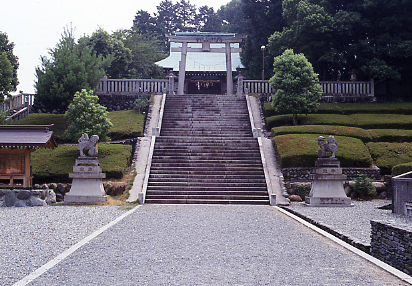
column 387, row 155
column 54, row 165
column 126, row 124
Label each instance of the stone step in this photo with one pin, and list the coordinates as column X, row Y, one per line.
column 204, row 201
column 207, row 180
column 207, row 177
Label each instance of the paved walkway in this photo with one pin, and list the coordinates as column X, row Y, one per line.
column 212, row 245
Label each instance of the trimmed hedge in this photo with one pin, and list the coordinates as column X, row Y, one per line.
column 126, row 124
column 355, row 132
column 391, row 135
column 352, row 108
column 54, row 165
column 383, row 121
column 387, row 155
column 300, row 150
column 401, row 169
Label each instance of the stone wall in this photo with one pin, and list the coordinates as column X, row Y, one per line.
column 392, row 243
column 117, row 102
column 303, row 173
column 26, row 198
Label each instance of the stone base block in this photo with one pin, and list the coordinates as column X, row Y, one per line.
column 69, row 199
column 87, row 191
column 328, row 202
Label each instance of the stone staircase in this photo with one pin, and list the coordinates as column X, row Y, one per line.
column 206, row 154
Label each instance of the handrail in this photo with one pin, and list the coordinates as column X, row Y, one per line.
column 257, row 135
column 155, row 133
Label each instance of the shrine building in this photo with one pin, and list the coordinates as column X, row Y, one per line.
column 205, row 63
column 17, row 142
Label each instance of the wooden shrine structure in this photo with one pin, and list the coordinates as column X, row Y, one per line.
column 17, row 142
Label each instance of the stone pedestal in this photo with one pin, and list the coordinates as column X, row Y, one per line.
column 87, row 186
column 327, row 185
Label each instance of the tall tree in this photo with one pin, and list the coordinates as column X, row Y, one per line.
column 185, row 16
column 6, row 76
column 297, row 86
column 110, row 48
column 263, row 18
column 208, row 20
column 7, row 48
column 68, row 70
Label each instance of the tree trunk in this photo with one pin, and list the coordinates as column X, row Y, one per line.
column 295, row 119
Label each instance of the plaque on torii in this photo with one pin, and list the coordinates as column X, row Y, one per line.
column 206, row 39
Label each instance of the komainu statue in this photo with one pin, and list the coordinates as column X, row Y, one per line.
column 324, row 147
column 88, row 145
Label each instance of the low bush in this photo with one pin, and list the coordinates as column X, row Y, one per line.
column 363, row 188
column 386, row 155
column 126, row 124
column 367, row 121
column 355, row 132
column 54, row 165
column 401, row 169
column 300, row 150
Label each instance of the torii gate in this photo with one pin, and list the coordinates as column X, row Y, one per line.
column 206, row 39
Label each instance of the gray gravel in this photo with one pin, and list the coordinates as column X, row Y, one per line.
column 30, row 237
column 353, row 222
column 212, row 245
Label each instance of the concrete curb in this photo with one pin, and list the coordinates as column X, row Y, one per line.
column 401, row 275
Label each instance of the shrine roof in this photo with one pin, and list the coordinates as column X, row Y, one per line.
column 26, row 136
column 201, row 61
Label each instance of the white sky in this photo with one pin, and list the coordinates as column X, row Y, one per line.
column 36, row 25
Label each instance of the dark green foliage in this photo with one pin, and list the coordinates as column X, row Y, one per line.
column 401, row 169
column 302, row 191
column 142, row 104
column 300, row 150
column 9, row 64
column 391, row 135
column 297, row 87
column 359, row 133
column 363, row 187
column 3, row 117
column 112, row 49
column 69, row 69
column 54, row 165
column 386, row 155
column 126, row 124
column 373, row 37
column 86, row 115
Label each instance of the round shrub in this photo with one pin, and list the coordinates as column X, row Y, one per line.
column 86, row 115
column 363, row 187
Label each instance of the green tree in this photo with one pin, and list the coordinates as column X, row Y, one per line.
column 297, row 86
column 112, row 49
column 69, row 69
column 86, row 115
column 145, row 50
column 6, row 76
column 7, row 47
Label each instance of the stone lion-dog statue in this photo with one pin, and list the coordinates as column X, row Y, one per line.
column 324, row 147
column 88, row 145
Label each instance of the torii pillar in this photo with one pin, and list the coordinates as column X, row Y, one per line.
column 206, row 39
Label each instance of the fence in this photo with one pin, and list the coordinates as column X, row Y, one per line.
column 131, row 86
column 333, row 91
column 18, row 106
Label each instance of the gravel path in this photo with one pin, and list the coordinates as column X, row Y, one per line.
column 353, row 222
column 212, row 245
column 30, row 237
